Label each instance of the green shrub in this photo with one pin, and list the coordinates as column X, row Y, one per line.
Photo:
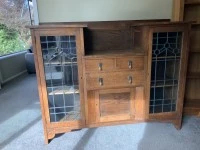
column 10, row 41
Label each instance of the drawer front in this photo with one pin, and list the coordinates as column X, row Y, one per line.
column 99, row 80
column 132, row 78
column 130, row 63
column 114, row 79
column 99, row 65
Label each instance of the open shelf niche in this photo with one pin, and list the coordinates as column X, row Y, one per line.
column 114, row 41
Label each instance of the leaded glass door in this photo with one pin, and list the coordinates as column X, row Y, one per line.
column 168, row 71
column 59, row 53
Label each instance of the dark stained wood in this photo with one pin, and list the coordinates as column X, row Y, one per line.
column 96, row 40
column 192, row 13
column 136, row 51
column 192, row 1
column 194, row 64
column 195, row 38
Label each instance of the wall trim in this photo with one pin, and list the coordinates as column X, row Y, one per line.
column 35, row 12
column 16, row 75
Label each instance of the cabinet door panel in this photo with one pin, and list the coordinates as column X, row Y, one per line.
column 59, row 54
column 114, row 104
column 168, row 70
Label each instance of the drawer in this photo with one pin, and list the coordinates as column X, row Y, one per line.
column 99, row 64
column 132, row 78
column 99, row 80
column 130, row 63
column 114, row 79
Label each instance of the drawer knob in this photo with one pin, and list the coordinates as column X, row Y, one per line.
column 100, row 66
column 130, row 64
column 101, row 81
column 130, row 79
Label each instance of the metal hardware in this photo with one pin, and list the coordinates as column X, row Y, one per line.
column 100, row 81
column 100, row 66
column 130, row 64
column 130, row 79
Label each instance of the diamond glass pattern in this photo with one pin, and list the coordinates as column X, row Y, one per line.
column 166, row 52
column 61, row 75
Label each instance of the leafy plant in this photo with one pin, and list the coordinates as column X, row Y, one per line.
column 10, row 41
column 14, row 16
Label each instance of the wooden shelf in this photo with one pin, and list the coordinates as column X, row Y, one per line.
column 64, row 90
column 135, row 51
column 192, row 2
column 167, row 57
column 194, row 75
column 196, row 23
column 194, row 103
column 194, row 50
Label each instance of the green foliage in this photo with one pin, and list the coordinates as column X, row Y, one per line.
column 10, row 41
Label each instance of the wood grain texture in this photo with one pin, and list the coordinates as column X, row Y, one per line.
column 139, row 103
column 114, row 79
column 123, row 96
column 177, row 10
column 107, row 39
column 195, row 38
column 192, row 13
column 194, row 63
column 53, row 128
column 192, row 91
column 93, row 65
column 114, row 103
column 192, row 1
column 91, row 119
column 39, row 87
column 136, row 63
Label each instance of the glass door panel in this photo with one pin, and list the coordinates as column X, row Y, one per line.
column 61, row 76
column 166, row 53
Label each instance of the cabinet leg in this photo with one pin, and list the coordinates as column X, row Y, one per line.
column 177, row 124
column 46, row 140
column 48, row 137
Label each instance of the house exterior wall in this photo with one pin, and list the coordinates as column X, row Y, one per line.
column 102, row 10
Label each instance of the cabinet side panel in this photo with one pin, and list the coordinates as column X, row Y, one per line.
column 39, row 85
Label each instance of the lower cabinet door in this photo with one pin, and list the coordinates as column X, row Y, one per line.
column 112, row 105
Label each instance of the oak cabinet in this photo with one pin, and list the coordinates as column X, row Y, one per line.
column 106, row 75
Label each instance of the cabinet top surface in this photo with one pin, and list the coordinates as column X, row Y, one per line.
column 161, row 23
column 57, row 26
column 82, row 25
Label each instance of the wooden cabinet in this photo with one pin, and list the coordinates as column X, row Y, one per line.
column 189, row 10
column 85, row 83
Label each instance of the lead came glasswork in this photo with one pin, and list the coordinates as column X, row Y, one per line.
column 166, row 52
column 61, row 75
